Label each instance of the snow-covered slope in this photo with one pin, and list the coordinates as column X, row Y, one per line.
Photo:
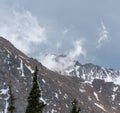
column 66, row 66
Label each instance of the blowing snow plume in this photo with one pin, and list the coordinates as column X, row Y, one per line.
column 78, row 50
column 61, row 63
column 57, row 63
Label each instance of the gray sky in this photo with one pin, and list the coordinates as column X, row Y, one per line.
column 87, row 28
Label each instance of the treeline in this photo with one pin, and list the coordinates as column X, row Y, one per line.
column 35, row 105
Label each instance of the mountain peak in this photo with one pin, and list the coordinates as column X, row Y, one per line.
column 8, row 46
column 87, row 83
column 66, row 66
column 5, row 43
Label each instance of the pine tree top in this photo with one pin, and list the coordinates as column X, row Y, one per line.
column 34, row 103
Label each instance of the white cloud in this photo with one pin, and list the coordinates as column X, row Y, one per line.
column 57, row 63
column 23, row 30
column 62, row 63
column 48, row 61
column 78, row 50
column 103, row 35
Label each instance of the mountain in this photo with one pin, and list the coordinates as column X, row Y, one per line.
column 62, row 64
column 88, row 83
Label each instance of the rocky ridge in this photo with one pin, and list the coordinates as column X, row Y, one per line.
column 94, row 94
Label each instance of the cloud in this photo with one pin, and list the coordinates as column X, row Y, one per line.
column 57, row 63
column 103, row 35
column 77, row 50
column 62, row 63
column 23, row 30
column 65, row 31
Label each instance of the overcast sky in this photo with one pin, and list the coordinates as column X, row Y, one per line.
column 89, row 29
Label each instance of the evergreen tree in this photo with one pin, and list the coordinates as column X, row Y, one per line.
column 11, row 107
column 74, row 107
column 34, row 103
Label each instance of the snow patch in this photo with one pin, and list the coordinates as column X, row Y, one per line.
column 96, row 96
column 100, row 90
column 117, row 81
column 60, row 91
column 82, row 90
column 56, row 95
column 113, row 97
column 42, row 99
column 8, row 55
column 77, row 71
column 16, row 56
column 21, row 68
column 54, row 105
column 43, row 81
column 114, row 108
column 4, row 91
column 22, row 57
column 89, row 98
column 16, row 90
column 66, row 106
column 8, row 51
column 6, row 105
column 88, row 82
column 31, row 70
column 115, row 88
column 100, row 106
column 65, row 96
column 53, row 111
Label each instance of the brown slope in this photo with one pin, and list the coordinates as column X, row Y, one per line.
column 57, row 90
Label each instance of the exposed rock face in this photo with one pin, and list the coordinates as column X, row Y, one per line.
column 89, row 72
column 64, row 65
column 89, row 84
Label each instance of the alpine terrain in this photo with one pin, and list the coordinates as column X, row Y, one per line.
column 97, row 89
